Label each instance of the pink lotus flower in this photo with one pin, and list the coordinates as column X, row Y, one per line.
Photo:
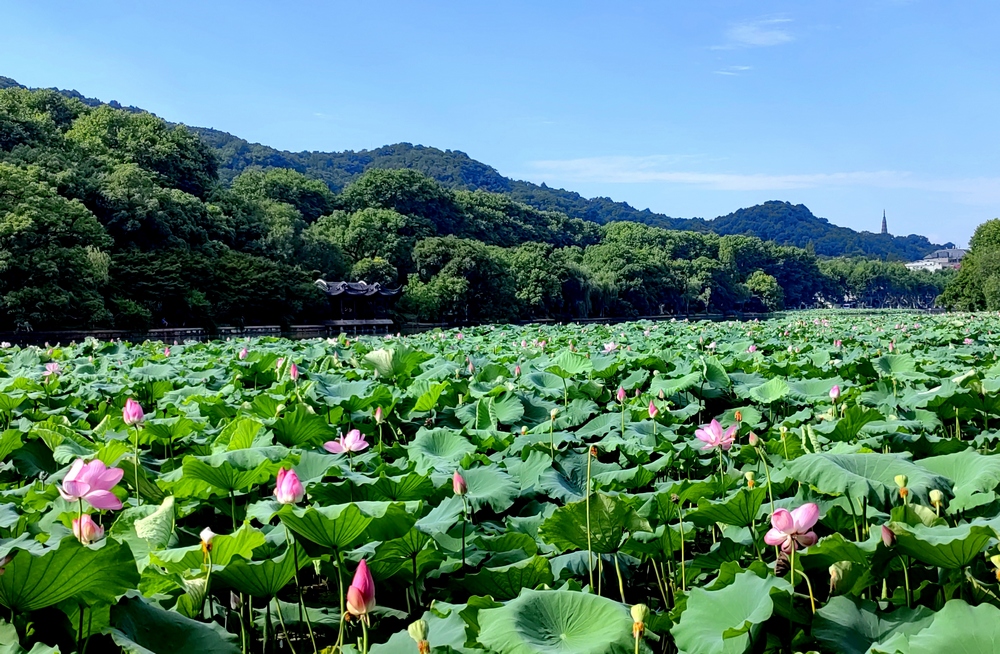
column 289, row 489
column 92, row 482
column 459, row 336
column 352, row 442
column 752, row 349
column 620, row 395
column 132, row 412
column 293, row 372
column 52, row 369
column 713, row 436
column 361, row 594
column 967, row 341
column 835, row 392
column 458, row 484
column 243, row 354
column 653, row 410
column 86, row 530
column 791, row 530
column 610, row 347
column 838, row 343
column 166, row 351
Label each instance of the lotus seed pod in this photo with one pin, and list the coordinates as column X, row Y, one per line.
column 937, row 497
column 553, row 413
column 749, row 476
column 901, row 480
column 739, row 416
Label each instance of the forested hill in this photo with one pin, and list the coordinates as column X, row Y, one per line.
column 784, row 223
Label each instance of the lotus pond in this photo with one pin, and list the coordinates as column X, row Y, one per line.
column 822, row 482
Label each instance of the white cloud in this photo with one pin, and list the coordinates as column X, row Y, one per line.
column 756, row 34
column 732, row 70
column 662, row 169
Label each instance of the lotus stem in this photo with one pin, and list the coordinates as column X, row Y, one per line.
column 284, row 629
column 680, row 512
column 621, row 584
column 465, row 510
column 298, row 587
column 135, row 452
column 906, row 580
column 590, row 551
column 767, row 475
column 659, row 583
column 364, row 631
column 812, row 597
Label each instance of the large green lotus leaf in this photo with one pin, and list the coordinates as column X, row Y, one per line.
column 408, row 556
column 547, row 384
column 427, row 394
column 335, row 527
column 557, row 622
column 506, row 582
column 242, row 543
column 957, row 627
column 975, row 476
column 847, row 427
column 851, row 627
column 569, row 364
column 390, row 520
column 237, row 469
column 944, row 547
column 722, row 621
column 301, row 428
column 89, row 573
column 157, row 527
column 610, row 518
column 352, row 395
column 770, row 391
column 739, row 509
column 390, row 364
column 813, row 390
column 404, row 488
column 895, row 365
column 438, row 449
column 602, row 425
column 670, row 386
column 867, row 474
column 489, row 485
column 141, row 628
column 262, row 578
column 446, row 627
column 505, row 409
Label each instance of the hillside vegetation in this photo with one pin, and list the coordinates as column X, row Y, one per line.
column 114, row 217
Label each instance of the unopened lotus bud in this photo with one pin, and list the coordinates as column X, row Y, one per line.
column 937, row 497
column 753, row 439
column 640, row 613
column 888, row 537
column 553, row 413
column 235, row 601
column 900, row 480
column 748, row 475
column 524, row 430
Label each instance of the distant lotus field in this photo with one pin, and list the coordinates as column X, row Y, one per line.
column 823, row 482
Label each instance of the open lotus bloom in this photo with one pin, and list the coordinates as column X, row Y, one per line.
column 793, row 529
column 92, row 482
column 352, row 442
column 714, row 437
column 361, row 594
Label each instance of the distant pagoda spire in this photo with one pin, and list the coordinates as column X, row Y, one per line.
column 885, row 227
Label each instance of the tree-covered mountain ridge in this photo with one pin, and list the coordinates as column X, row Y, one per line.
column 778, row 221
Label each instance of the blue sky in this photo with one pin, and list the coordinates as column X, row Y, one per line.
column 688, row 108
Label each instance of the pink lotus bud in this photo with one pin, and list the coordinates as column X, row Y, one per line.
column 458, row 484
column 132, row 412
column 620, row 394
column 888, row 537
column 835, row 393
column 838, row 343
column 653, row 410
column 293, row 372
column 517, row 371
column 243, row 354
column 166, row 351
column 753, row 439
column 752, row 349
column 86, row 530
column 379, row 417
column 361, row 594
column 288, row 489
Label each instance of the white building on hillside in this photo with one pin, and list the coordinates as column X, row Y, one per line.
column 939, row 260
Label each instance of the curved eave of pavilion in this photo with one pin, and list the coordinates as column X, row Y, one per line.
column 355, row 288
